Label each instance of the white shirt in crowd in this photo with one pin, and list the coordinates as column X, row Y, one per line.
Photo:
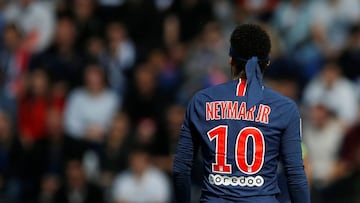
column 37, row 20
column 323, row 146
column 152, row 187
column 341, row 98
column 84, row 109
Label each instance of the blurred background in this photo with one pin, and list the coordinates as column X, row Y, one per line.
column 93, row 92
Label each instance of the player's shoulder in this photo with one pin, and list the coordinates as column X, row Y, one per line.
column 214, row 91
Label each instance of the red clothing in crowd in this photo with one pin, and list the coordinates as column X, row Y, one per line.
column 58, row 103
column 266, row 6
column 350, row 149
column 32, row 117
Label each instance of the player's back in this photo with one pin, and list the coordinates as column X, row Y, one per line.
column 240, row 144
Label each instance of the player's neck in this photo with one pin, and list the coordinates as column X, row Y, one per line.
column 237, row 76
column 240, row 76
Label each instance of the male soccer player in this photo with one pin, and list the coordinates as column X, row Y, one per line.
column 243, row 130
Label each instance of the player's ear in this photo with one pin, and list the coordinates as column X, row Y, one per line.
column 231, row 62
column 268, row 63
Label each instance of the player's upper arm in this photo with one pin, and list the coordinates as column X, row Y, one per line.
column 185, row 155
column 188, row 139
column 291, row 139
column 291, row 154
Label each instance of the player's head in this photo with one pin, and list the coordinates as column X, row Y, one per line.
column 249, row 40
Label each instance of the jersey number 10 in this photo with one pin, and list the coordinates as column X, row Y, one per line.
column 220, row 134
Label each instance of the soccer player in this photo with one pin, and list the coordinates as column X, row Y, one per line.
column 243, row 130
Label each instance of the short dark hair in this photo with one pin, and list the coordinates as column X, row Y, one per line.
column 248, row 40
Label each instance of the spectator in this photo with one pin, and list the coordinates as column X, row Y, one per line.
column 95, row 48
column 171, row 31
column 224, row 13
column 323, row 134
column 116, row 149
column 139, row 16
column 349, row 151
column 148, row 134
column 282, row 67
column 120, row 57
column 292, row 20
column 87, row 23
column 163, row 5
column 21, row 179
column 2, row 18
column 90, row 108
column 51, row 154
column 33, row 106
column 13, row 65
column 53, row 151
column 63, row 61
column 49, row 186
column 142, row 179
column 144, row 101
column 311, row 53
column 346, row 188
column 262, row 10
column 36, row 21
column 328, row 87
column 170, row 75
column 110, row 10
column 58, row 94
column 193, row 15
column 333, row 18
column 76, row 188
column 349, row 59
column 206, row 63
column 8, row 144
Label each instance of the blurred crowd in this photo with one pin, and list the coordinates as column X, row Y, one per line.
column 93, row 92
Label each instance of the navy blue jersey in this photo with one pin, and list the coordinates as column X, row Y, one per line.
column 241, row 146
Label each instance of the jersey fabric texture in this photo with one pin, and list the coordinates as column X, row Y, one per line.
column 241, row 146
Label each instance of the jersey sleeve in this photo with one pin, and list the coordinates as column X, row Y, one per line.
column 184, row 157
column 291, row 154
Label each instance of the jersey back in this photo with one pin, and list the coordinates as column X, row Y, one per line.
column 241, row 145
